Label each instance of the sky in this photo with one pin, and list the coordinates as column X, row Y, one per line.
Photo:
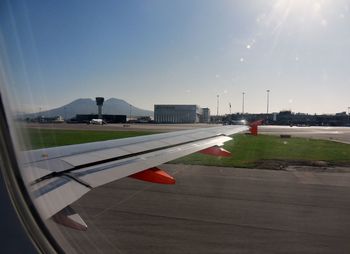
column 179, row 52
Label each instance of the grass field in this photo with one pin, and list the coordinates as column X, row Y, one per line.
column 40, row 138
column 247, row 151
column 250, row 151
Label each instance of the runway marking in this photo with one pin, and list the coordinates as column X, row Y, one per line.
column 232, row 224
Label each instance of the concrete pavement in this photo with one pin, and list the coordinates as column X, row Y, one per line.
column 219, row 210
column 339, row 134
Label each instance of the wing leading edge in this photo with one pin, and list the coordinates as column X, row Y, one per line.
column 59, row 176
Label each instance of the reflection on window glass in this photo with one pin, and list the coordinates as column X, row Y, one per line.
column 234, row 114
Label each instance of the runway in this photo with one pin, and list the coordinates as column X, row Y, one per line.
column 339, row 134
column 119, row 126
column 219, row 210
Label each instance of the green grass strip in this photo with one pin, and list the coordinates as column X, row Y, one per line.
column 40, row 138
column 248, row 150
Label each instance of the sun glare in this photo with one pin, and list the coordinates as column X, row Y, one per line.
column 300, row 12
column 302, row 7
column 313, row 6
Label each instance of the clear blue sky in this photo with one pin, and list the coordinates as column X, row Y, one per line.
column 184, row 51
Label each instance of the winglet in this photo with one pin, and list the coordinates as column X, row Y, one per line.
column 254, row 127
column 216, row 151
column 154, row 175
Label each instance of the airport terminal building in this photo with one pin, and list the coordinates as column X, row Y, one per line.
column 181, row 114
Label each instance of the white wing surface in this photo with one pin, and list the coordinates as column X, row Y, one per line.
column 61, row 175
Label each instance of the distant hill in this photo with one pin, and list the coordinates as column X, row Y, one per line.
column 111, row 106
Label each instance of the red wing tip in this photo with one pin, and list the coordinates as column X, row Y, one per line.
column 256, row 123
column 254, row 127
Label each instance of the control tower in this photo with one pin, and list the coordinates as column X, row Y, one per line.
column 99, row 103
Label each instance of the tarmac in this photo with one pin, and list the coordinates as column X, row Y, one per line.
column 221, row 210
column 339, row 134
column 120, row 126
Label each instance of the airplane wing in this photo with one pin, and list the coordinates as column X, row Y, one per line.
column 61, row 175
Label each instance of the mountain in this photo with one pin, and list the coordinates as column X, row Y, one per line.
column 111, row 106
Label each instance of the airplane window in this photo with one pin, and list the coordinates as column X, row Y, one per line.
column 176, row 126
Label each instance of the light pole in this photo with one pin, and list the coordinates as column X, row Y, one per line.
column 243, row 102
column 217, row 105
column 230, row 107
column 130, row 112
column 268, row 101
column 39, row 118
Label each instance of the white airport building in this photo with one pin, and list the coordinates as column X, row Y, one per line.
column 181, row 114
